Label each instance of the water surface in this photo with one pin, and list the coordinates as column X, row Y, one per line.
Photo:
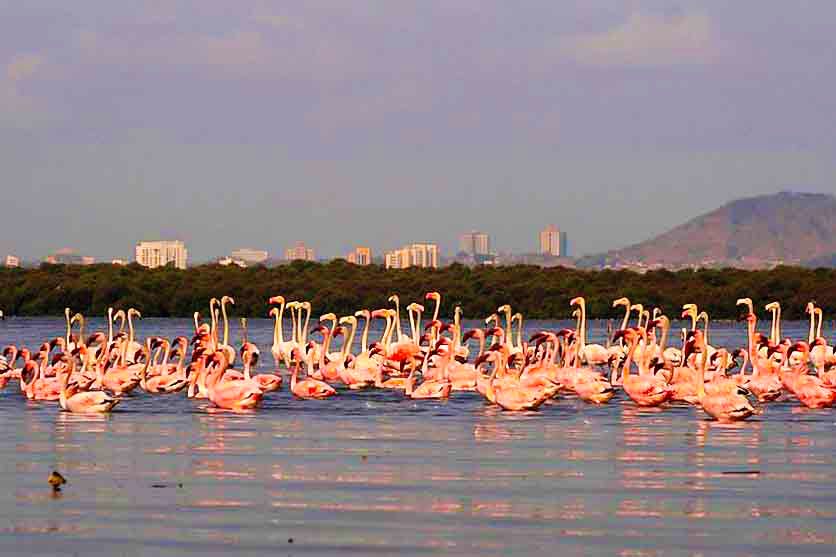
column 372, row 473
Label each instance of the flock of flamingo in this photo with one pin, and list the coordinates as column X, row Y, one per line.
column 93, row 374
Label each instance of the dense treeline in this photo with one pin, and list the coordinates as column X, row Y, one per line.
column 340, row 287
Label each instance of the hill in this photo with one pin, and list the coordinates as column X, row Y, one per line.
column 753, row 233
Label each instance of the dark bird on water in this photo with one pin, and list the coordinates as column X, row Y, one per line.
column 56, row 480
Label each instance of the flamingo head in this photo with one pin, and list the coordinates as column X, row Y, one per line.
column 626, row 334
column 473, row 333
column 800, row 346
column 321, row 329
column 512, row 359
column 435, row 296
column 435, row 324
column 380, row 314
column 96, row 338
column 375, row 348
column 567, row 333
column 819, row 341
column 486, row 357
column 538, row 338
column 276, row 300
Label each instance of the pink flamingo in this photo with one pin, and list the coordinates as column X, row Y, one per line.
column 809, row 389
column 72, row 399
column 721, row 405
column 234, row 395
column 644, row 389
column 308, row 388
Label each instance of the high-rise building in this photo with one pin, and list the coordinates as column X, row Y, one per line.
column 249, row 256
column 413, row 255
column 161, row 253
column 299, row 251
column 361, row 255
column 553, row 242
column 12, row 261
column 475, row 243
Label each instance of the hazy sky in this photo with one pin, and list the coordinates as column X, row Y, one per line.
column 230, row 124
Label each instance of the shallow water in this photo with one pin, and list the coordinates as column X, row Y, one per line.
column 372, row 473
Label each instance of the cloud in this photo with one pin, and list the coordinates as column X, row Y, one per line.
column 18, row 110
column 243, row 53
column 23, row 66
column 277, row 21
column 647, row 40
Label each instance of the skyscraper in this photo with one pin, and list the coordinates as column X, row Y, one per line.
column 361, row 255
column 475, row 243
column 299, row 251
column 553, row 242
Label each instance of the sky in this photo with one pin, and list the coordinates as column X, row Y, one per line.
column 257, row 124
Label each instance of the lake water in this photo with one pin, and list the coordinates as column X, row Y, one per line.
column 371, row 473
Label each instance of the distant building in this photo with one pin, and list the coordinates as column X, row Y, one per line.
column 120, row 262
column 475, row 243
column 360, row 256
column 249, row 256
column 68, row 256
column 553, row 242
column 227, row 261
column 299, row 251
column 161, row 253
column 413, row 255
column 12, row 261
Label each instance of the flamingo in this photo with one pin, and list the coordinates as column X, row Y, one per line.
column 164, row 382
column 643, row 389
column 267, row 382
column 721, row 405
column 763, row 383
column 810, row 389
column 428, row 389
column 74, row 400
column 308, row 388
column 236, row 395
column 591, row 354
column 281, row 348
column 509, row 397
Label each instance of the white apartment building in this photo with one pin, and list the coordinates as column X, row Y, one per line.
column 249, row 256
column 413, row 255
column 161, row 253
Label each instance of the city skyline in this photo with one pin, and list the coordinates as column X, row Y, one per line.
column 615, row 120
column 483, row 244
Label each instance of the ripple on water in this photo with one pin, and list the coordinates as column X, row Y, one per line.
column 374, row 473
